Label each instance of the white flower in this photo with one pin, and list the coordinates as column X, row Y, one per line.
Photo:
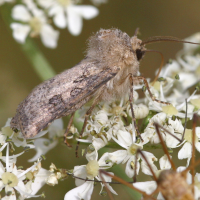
column 175, row 109
column 43, row 145
column 12, row 178
column 65, row 13
column 186, row 150
column 91, row 170
column 127, row 141
column 34, row 22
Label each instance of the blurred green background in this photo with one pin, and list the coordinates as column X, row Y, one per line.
column 180, row 18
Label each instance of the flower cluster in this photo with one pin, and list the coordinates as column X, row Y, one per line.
column 33, row 18
column 111, row 125
column 16, row 181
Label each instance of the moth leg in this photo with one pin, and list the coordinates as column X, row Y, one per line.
column 88, row 113
column 68, row 128
column 147, row 86
column 131, row 106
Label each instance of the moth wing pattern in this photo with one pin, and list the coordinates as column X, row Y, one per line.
column 60, row 96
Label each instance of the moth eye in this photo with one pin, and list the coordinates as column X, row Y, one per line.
column 139, row 54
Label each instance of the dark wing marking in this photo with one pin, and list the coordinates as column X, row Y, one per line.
column 60, row 96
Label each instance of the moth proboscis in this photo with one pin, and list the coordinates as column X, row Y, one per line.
column 109, row 71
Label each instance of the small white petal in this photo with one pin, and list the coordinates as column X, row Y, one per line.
column 197, row 131
column 186, row 151
column 102, row 161
column 171, row 141
column 20, row 12
column 39, row 180
column 118, row 156
column 81, row 192
column 124, row 138
column 148, row 186
column 98, row 143
column 92, row 156
column 87, row 12
column 129, row 170
column 187, row 79
column 41, row 148
column 151, row 158
column 60, row 19
column 75, row 21
column 197, row 145
column 49, row 36
column 80, row 171
column 107, row 179
column 164, row 162
column 20, row 31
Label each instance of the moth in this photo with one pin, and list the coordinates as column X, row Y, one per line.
column 109, row 70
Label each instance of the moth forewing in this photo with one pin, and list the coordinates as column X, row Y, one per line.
column 60, row 96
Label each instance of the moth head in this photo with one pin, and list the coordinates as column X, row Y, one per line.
column 137, row 46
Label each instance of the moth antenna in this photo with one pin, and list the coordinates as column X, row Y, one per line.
column 155, row 39
column 161, row 64
column 164, row 145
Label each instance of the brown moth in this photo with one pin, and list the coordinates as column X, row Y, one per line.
column 111, row 56
column 109, row 70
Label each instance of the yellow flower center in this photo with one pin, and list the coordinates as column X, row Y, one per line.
column 29, row 175
column 170, row 110
column 188, row 136
column 92, row 168
column 36, row 25
column 133, row 148
column 7, row 131
column 157, row 85
column 196, row 103
column 10, row 179
column 64, row 2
